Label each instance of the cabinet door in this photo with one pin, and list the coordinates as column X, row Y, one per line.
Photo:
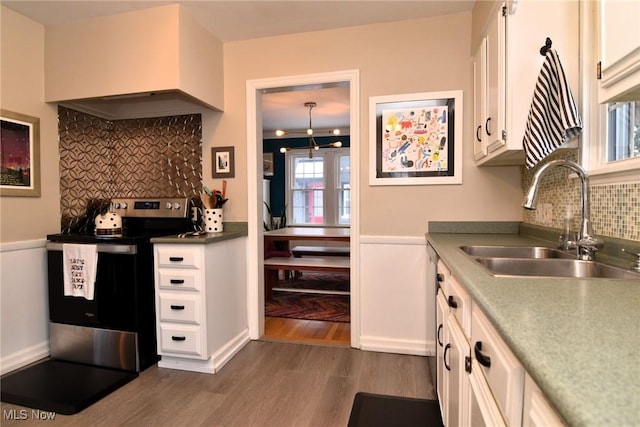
column 483, row 408
column 442, row 339
column 537, row 410
column 619, row 50
column 460, row 363
column 480, row 100
column 495, row 45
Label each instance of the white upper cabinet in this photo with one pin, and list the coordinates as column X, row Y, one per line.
column 619, row 50
column 510, row 46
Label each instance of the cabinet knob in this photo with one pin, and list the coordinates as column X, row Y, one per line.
column 452, row 302
column 482, row 358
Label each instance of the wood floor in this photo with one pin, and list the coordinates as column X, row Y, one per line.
column 267, row 384
column 307, row 331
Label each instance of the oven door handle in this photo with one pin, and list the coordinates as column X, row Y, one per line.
column 102, row 248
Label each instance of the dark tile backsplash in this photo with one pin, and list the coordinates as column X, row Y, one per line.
column 103, row 159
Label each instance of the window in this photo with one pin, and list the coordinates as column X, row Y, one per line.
column 623, row 130
column 318, row 189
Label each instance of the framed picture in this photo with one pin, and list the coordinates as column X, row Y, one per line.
column 223, row 162
column 267, row 164
column 416, row 139
column 19, row 155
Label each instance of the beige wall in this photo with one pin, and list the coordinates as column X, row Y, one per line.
column 22, row 91
column 405, row 57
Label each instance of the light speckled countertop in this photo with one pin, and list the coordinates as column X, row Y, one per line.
column 579, row 339
column 231, row 230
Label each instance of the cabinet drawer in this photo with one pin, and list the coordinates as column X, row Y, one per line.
column 178, row 256
column 504, row 373
column 460, row 305
column 179, row 279
column 443, row 277
column 182, row 340
column 180, row 308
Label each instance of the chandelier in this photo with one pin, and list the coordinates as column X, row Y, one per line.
column 312, row 142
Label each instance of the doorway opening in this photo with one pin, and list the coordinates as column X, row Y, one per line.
column 259, row 326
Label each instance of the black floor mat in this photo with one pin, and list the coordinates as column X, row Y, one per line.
column 374, row 410
column 61, row 387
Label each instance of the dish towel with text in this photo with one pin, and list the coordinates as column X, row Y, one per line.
column 80, row 264
column 553, row 117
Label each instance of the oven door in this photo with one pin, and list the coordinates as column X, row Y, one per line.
column 114, row 303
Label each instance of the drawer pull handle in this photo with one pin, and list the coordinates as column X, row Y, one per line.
column 175, row 338
column 452, row 302
column 444, row 357
column 440, row 329
column 177, row 307
column 176, row 259
column 176, row 281
column 440, row 277
column 482, row 358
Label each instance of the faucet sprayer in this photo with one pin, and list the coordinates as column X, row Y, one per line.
column 587, row 244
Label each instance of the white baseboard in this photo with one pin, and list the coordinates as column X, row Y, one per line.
column 211, row 365
column 230, row 349
column 24, row 357
column 398, row 346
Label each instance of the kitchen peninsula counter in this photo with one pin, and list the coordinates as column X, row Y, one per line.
column 232, row 230
column 579, row 339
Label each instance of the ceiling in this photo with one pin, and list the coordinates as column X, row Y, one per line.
column 238, row 20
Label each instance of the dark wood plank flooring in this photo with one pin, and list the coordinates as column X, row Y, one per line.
column 266, row 384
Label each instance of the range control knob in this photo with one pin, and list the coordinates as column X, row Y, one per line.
column 169, row 206
column 123, row 205
column 177, row 206
column 115, row 205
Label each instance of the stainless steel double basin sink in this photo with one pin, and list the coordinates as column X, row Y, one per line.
column 539, row 261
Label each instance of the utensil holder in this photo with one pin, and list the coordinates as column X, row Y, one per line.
column 213, row 220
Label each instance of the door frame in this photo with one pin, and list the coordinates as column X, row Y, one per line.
column 255, row 246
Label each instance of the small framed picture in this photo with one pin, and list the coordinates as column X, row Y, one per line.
column 20, row 155
column 222, row 159
column 267, row 164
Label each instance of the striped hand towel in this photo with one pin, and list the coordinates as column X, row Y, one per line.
column 553, row 117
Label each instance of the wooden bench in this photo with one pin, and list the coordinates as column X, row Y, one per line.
column 300, row 251
column 273, row 265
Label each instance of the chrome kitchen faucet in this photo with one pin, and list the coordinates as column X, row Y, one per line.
column 587, row 244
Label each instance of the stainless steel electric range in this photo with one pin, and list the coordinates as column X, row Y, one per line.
column 112, row 337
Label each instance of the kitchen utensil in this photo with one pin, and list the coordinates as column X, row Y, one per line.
column 224, row 188
column 206, row 190
column 206, row 201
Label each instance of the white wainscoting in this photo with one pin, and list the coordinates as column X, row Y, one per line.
column 397, row 310
column 24, row 306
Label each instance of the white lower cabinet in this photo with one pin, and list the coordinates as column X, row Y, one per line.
column 201, row 310
column 480, row 382
column 452, row 351
column 538, row 412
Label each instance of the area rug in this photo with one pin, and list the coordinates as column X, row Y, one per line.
column 317, row 280
column 375, row 410
column 309, row 306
